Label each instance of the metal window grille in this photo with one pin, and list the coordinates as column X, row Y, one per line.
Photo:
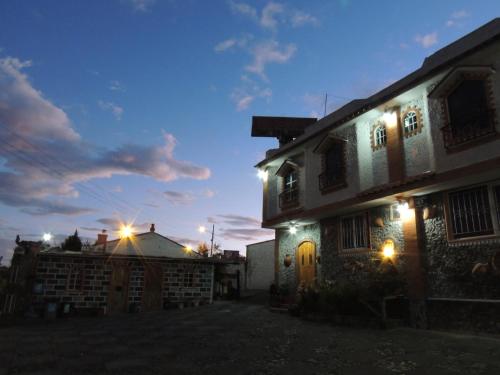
column 354, row 232
column 188, row 279
column 75, row 278
column 410, row 122
column 380, row 136
column 470, row 212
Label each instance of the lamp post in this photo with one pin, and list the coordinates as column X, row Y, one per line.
column 203, row 229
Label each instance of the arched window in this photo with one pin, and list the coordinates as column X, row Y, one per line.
column 380, row 136
column 410, row 122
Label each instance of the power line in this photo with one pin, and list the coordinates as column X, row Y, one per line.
column 126, row 205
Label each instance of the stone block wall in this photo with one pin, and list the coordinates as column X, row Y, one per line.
column 52, row 272
column 288, row 244
column 449, row 265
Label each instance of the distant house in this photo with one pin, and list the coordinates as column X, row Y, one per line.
column 143, row 272
column 260, row 265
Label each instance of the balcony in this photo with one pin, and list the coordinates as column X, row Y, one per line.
column 329, row 182
column 470, row 128
column 289, row 198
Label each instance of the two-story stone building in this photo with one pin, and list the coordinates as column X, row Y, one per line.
column 412, row 172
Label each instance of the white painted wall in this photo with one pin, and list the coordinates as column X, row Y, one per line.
column 260, row 265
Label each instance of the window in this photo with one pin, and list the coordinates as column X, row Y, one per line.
column 410, row 122
column 380, row 136
column 290, row 194
column 333, row 175
column 355, row 232
column 75, row 279
column 188, row 279
column 468, row 113
column 471, row 212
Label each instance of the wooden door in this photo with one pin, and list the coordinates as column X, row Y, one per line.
column 118, row 288
column 153, row 283
column 306, row 262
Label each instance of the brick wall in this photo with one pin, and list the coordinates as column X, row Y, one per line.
column 55, row 283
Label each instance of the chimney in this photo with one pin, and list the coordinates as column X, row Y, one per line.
column 102, row 238
column 152, row 228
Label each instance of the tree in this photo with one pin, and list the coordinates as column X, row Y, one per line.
column 203, row 249
column 73, row 243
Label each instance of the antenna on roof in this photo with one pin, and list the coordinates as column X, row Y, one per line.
column 326, row 99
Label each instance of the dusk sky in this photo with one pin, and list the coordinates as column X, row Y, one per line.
column 141, row 110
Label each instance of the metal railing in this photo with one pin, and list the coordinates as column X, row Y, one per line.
column 471, row 127
column 327, row 180
column 289, row 198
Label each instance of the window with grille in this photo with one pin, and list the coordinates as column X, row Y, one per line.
column 410, row 122
column 380, row 136
column 334, row 169
column 355, row 232
column 470, row 213
column 188, row 279
column 75, row 279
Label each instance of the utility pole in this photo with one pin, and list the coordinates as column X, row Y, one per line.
column 212, row 240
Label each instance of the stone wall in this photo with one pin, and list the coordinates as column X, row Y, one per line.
column 288, row 244
column 53, row 270
column 353, row 267
column 449, row 265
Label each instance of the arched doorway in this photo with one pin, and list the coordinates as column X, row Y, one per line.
column 306, row 262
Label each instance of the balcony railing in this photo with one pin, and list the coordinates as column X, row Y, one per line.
column 329, row 181
column 289, row 198
column 470, row 128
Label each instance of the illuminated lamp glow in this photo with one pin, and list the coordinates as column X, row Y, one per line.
column 388, row 248
column 188, row 248
column 293, row 229
column 390, row 118
column 126, row 231
column 404, row 210
column 47, row 237
column 202, row 229
column 263, row 175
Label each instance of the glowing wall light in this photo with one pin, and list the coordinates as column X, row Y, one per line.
column 292, row 229
column 388, row 248
column 188, row 249
column 390, row 118
column 263, row 175
column 404, row 210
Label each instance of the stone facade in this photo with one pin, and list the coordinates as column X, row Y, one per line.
column 52, row 280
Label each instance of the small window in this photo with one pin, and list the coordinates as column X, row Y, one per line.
column 355, row 232
column 75, row 279
column 291, row 180
column 188, row 279
column 290, row 195
column 333, row 175
column 410, row 122
column 470, row 213
column 380, row 135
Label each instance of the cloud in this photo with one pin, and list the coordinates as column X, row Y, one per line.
column 142, row 5
column 116, row 86
column 212, row 220
column 243, row 8
column 243, row 97
column 209, row 193
column 114, row 224
column 46, row 162
column 269, row 52
column 227, row 44
column 300, row 19
column 269, row 12
column 246, row 234
column 179, row 198
column 239, row 220
column 455, row 18
column 116, row 110
column 427, row 40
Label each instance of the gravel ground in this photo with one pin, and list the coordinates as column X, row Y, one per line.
column 235, row 338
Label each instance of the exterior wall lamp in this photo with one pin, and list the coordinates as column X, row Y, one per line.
column 390, row 118
column 263, row 175
column 388, row 248
column 403, row 209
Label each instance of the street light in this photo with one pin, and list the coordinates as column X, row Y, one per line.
column 47, row 237
column 203, row 229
